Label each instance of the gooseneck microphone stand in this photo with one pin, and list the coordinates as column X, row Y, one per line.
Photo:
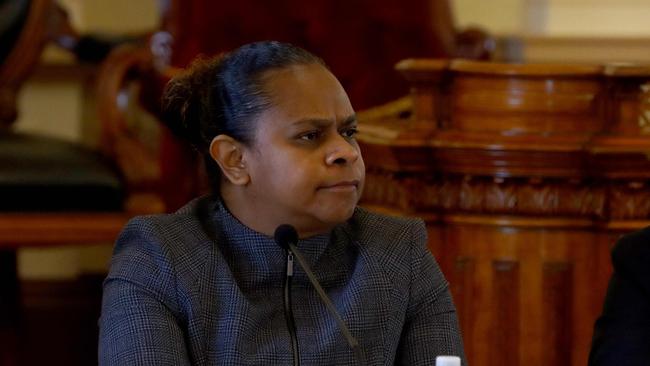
column 287, row 237
column 288, row 312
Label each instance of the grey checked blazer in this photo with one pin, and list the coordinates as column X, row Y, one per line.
column 197, row 287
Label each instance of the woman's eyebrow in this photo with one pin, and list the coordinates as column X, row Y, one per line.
column 325, row 122
column 349, row 120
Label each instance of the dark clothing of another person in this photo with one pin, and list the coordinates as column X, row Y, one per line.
column 622, row 333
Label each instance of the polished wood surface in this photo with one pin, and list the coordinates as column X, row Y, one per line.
column 20, row 230
column 525, row 175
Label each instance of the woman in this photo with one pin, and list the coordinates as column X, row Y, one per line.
column 205, row 285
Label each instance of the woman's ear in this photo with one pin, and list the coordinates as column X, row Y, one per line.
column 228, row 153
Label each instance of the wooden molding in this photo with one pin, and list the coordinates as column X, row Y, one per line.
column 50, row 229
column 539, row 197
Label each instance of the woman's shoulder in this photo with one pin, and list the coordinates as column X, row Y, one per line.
column 398, row 247
column 384, row 222
column 387, row 231
column 164, row 245
column 176, row 236
column 188, row 221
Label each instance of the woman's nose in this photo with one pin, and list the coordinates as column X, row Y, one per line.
column 342, row 151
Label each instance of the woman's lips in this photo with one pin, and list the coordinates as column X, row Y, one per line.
column 343, row 186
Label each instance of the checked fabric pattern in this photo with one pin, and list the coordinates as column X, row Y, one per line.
column 197, row 287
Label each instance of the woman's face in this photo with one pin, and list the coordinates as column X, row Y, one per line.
column 305, row 166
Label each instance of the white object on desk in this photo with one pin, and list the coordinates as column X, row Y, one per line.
column 447, row 361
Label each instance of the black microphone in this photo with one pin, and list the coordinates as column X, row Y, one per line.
column 287, row 238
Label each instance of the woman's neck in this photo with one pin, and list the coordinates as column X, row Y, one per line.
column 260, row 219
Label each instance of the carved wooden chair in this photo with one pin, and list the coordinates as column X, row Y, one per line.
column 52, row 192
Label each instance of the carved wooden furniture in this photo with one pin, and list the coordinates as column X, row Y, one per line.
column 52, row 192
column 525, row 175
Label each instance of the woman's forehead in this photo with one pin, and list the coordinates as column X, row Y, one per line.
column 306, row 89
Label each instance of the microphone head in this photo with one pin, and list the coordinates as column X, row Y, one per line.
column 284, row 235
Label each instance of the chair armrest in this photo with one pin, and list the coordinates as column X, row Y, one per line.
column 22, row 57
column 159, row 170
column 123, row 65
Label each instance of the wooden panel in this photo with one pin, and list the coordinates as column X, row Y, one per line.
column 484, row 103
column 557, row 295
column 462, row 290
column 505, row 329
column 523, row 286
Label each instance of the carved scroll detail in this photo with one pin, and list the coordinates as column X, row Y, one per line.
column 630, row 201
column 485, row 195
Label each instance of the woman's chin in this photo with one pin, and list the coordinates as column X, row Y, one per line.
column 337, row 215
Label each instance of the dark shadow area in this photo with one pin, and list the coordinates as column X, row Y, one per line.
column 59, row 325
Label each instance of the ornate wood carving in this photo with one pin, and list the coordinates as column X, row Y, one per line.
column 525, row 175
column 490, row 195
column 533, row 140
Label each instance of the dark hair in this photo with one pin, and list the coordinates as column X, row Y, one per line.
column 224, row 94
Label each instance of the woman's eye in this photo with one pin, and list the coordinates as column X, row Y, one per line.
column 350, row 132
column 310, row 136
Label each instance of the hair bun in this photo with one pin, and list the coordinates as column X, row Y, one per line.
column 187, row 101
